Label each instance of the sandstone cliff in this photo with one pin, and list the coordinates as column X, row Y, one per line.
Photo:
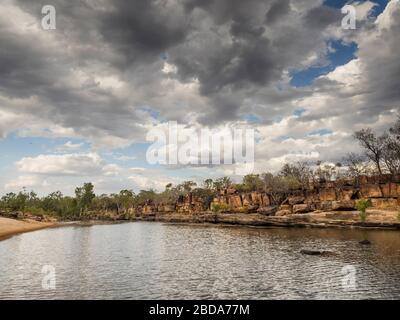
column 383, row 192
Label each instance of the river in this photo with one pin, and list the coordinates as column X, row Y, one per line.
column 151, row 260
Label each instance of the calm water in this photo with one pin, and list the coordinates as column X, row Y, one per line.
column 144, row 260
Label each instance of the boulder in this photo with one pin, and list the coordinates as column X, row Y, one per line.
column 343, row 205
column 385, row 203
column 246, row 200
column 371, row 191
column 256, row 198
column 312, row 196
column 286, row 207
column 12, row 215
column 317, row 253
column 235, row 201
column 268, row 211
column 386, row 190
column 296, row 200
column 266, row 201
column 282, row 213
column 328, row 194
column 363, row 180
column 347, row 194
column 324, row 205
column 390, row 190
column 302, row 208
column 168, row 208
column 252, row 208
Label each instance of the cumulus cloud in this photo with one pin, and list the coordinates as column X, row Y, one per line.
column 62, row 165
column 115, row 69
column 69, row 146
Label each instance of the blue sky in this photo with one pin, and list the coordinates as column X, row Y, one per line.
column 380, row 5
column 99, row 101
column 339, row 54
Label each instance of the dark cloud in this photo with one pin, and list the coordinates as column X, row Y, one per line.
column 277, row 11
column 236, row 52
column 322, row 17
column 143, row 29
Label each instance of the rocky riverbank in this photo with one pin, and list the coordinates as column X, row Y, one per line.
column 350, row 219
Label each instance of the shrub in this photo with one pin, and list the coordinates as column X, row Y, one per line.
column 362, row 205
column 218, row 207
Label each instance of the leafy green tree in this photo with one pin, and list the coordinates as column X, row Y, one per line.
column 208, row 183
column 222, row 183
column 362, row 205
column 252, row 182
column 188, row 185
column 84, row 197
column 125, row 200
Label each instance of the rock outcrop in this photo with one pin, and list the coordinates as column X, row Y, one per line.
column 383, row 192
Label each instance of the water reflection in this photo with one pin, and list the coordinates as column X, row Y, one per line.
column 151, row 260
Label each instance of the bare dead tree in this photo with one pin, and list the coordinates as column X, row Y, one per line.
column 374, row 146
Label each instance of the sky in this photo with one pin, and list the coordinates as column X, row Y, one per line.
column 77, row 102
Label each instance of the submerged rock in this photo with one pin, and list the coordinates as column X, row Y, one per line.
column 365, row 242
column 317, row 253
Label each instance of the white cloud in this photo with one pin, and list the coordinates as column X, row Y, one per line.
column 69, row 147
column 62, row 165
column 124, row 158
column 26, row 181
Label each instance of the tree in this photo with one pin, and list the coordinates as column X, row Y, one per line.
column 362, row 205
column 299, row 170
column 124, row 200
column 168, row 186
column 84, row 197
column 278, row 187
column 208, row 184
column 357, row 164
column 145, row 197
column 224, row 182
column 391, row 153
column 373, row 146
column 252, row 182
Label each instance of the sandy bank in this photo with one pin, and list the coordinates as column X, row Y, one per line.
column 10, row 227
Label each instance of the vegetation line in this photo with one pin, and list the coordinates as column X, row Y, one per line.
column 381, row 156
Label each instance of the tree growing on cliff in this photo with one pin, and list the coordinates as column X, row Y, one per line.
column 252, row 182
column 188, row 185
column 222, row 183
column 383, row 150
column 373, row 146
column 279, row 187
column 208, row 184
column 299, row 171
column 391, row 153
column 357, row 164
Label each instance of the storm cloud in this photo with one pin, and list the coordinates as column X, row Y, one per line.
column 115, row 68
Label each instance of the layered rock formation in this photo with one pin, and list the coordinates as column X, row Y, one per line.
column 383, row 192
